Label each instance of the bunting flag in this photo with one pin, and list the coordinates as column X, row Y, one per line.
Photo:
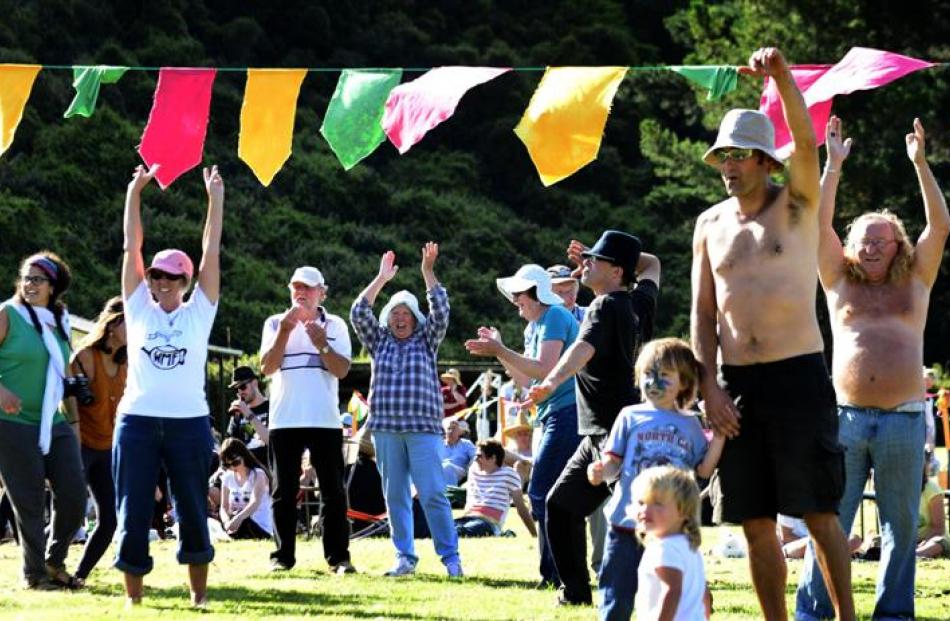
column 86, row 81
column 175, row 134
column 16, row 82
column 718, row 80
column 861, row 69
column 267, row 119
column 352, row 124
column 563, row 125
column 358, row 407
column 771, row 105
column 416, row 107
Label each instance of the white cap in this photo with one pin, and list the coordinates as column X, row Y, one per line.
column 309, row 276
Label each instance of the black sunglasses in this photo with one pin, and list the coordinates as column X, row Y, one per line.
column 241, row 387
column 237, row 461
column 160, row 275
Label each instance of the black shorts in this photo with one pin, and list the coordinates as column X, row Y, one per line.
column 786, row 458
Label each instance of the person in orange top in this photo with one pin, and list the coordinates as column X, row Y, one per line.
column 101, row 357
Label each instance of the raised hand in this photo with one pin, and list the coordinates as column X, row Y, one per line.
column 837, row 148
column 316, row 332
column 488, row 343
column 141, row 177
column 214, row 184
column 574, row 250
column 916, row 143
column 387, row 266
column 766, row 61
column 291, row 318
column 430, row 252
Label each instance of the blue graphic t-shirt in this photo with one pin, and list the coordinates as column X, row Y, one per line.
column 643, row 436
column 557, row 324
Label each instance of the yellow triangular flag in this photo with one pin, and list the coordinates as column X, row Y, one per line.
column 564, row 122
column 16, row 82
column 267, row 119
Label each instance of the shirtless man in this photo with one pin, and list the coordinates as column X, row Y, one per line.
column 878, row 289
column 754, row 283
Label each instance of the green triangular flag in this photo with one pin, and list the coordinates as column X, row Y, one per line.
column 718, row 80
column 86, row 81
column 352, row 123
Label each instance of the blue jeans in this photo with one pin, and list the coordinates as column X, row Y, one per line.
column 559, row 440
column 141, row 445
column 416, row 458
column 618, row 575
column 474, row 526
column 892, row 443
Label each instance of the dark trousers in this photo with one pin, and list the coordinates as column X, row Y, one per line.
column 250, row 530
column 569, row 502
column 98, row 469
column 326, row 455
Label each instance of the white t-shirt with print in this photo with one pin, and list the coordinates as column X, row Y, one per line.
column 673, row 552
column 303, row 393
column 239, row 497
column 167, row 356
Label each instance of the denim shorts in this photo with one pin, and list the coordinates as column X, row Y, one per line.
column 141, row 445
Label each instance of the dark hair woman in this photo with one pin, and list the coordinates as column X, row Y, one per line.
column 245, row 493
column 36, row 441
column 101, row 358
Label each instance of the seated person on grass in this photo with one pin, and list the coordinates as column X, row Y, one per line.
column 492, row 487
column 793, row 535
column 458, row 452
column 932, row 539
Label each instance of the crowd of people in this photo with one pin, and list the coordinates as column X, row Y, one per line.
column 619, row 437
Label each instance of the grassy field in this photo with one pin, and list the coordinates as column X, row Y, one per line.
column 500, row 575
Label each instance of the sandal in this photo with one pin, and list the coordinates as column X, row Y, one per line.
column 62, row 579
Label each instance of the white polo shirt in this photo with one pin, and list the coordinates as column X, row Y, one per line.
column 303, row 393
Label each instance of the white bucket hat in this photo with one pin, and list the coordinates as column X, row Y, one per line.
column 409, row 300
column 745, row 129
column 529, row 276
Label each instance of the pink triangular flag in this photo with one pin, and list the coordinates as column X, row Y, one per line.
column 771, row 105
column 175, row 134
column 415, row 107
column 861, row 68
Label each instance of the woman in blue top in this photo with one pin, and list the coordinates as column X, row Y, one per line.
column 405, row 404
column 551, row 329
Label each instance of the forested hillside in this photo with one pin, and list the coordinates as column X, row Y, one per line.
column 470, row 183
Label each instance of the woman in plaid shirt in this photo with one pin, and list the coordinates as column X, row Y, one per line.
column 406, row 407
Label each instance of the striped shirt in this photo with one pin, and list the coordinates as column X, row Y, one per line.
column 404, row 392
column 489, row 493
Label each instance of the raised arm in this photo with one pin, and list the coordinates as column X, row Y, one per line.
column 209, row 272
column 722, row 412
column 648, row 268
column 133, row 265
column 929, row 250
column 830, row 250
column 430, row 252
column 387, row 271
column 803, row 165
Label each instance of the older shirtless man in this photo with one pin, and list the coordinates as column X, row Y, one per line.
column 878, row 289
column 754, row 285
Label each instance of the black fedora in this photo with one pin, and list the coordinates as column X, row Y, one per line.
column 241, row 375
column 622, row 249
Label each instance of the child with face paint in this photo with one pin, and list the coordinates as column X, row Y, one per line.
column 659, row 432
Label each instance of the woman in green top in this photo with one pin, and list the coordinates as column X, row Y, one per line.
column 36, row 442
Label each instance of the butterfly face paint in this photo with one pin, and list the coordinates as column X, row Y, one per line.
column 654, row 384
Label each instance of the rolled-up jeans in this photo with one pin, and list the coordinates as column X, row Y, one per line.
column 892, row 443
column 559, row 440
column 140, row 446
column 406, row 459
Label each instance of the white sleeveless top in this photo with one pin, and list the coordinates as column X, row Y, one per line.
column 240, row 496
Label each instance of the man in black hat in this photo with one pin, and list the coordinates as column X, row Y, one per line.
column 249, row 412
column 602, row 359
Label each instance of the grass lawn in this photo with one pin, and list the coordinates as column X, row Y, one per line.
column 500, row 575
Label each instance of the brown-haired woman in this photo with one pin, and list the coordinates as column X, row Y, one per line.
column 102, row 358
column 245, row 493
column 36, row 443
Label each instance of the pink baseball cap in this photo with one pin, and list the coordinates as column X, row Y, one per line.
column 172, row 261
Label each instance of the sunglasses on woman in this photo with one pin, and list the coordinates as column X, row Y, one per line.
column 160, row 275
column 237, row 461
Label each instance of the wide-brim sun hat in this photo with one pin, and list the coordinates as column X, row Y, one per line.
column 452, row 374
column 745, row 129
column 528, row 276
column 406, row 298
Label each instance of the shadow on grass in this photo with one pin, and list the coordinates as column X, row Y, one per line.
column 495, row 583
column 251, row 603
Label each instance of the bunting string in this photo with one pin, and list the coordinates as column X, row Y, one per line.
column 561, row 128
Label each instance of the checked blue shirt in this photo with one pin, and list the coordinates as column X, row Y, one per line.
column 404, row 390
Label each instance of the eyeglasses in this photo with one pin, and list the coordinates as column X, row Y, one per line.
column 735, row 154
column 160, row 275
column 237, row 461
column 33, row 280
column 876, row 243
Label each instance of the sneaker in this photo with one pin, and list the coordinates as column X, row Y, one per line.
column 454, row 569
column 343, row 568
column 403, row 567
column 278, row 565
